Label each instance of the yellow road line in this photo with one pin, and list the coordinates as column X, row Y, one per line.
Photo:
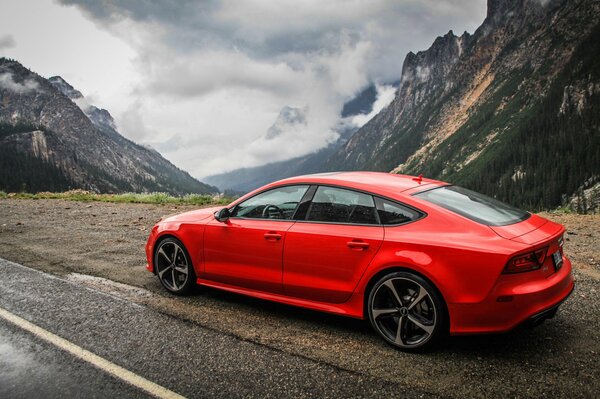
column 97, row 361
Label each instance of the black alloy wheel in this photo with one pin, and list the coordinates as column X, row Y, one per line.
column 407, row 311
column 174, row 267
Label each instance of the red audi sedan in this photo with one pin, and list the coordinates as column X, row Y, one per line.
column 419, row 258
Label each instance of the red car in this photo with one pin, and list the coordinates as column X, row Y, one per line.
column 419, row 258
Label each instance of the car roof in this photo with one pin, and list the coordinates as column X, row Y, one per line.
column 389, row 184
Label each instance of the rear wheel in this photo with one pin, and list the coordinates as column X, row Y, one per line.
column 174, row 267
column 407, row 311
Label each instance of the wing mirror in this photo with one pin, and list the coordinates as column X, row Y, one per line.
column 222, row 215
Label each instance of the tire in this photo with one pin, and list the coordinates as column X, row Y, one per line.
column 407, row 311
column 174, row 267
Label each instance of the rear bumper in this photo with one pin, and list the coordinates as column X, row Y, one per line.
column 520, row 302
column 549, row 313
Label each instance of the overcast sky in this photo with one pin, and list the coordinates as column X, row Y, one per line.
column 203, row 81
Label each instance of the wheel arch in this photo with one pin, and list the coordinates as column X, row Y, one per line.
column 393, row 269
column 159, row 239
column 187, row 236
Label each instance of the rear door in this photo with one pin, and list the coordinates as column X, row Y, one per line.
column 326, row 254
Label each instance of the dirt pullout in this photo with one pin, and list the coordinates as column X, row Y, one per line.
column 560, row 358
column 582, row 240
column 96, row 238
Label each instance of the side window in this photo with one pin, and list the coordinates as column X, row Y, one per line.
column 394, row 213
column 278, row 203
column 342, row 206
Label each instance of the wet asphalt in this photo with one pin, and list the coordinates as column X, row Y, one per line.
column 179, row 355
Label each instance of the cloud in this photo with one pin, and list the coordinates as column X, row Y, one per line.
column 6, row 42
column 213, row 76
column 198, row 74
column 8, row 82
column 385, row 95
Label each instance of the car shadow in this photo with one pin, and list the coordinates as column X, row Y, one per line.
column 538, row 342
column 524, row 342
column 280, row 310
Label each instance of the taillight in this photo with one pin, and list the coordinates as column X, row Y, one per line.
column 526, row 262
column 561, row 244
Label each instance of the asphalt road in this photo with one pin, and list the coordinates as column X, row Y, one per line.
column 33, row 368
column 181, row 356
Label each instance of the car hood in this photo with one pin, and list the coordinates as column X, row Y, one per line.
column 529, row 231
column 193, row 216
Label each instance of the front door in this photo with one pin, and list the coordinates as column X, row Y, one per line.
column 247, row 250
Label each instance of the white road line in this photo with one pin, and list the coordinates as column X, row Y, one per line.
column 97, row 361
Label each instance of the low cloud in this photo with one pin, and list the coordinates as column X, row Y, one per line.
column 8, row 82
column 6, row 42
column 385, row 95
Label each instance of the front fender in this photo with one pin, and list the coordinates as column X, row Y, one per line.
column 190, row 234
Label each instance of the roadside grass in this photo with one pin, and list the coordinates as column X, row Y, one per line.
column 138, row 198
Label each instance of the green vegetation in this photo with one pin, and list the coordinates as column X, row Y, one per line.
column 139, row 198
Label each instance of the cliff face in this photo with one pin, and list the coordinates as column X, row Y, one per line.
column 475, row 109
column 51, row 139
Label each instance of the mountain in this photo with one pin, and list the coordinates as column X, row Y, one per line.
column 51, row 139
column 246, row 179
column 512, row 110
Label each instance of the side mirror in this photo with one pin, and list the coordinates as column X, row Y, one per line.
column 222, row 215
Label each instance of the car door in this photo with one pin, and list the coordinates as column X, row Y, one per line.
column 247, row 250
column 326, row 254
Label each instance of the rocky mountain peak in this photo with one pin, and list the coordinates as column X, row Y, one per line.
column 497, row 8
column 434, row 62
column 289, row 118
column 65, row 88
column 517, row 11
column 99, row 116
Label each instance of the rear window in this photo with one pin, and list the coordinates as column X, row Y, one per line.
column 475, row 206
column 392, row 213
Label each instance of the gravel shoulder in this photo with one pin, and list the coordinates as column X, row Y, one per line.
column 101, row 245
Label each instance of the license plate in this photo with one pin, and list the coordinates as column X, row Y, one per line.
column 558, row 260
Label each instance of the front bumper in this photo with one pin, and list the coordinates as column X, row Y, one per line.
column 512, row 302
column 150, row 250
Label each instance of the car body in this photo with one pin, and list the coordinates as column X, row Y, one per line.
column 368, row 245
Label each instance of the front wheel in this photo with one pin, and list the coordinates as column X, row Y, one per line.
column 174, row 267
column 407, row 311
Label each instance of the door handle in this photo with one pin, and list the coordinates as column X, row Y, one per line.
column 272, row 236
column 358, row 245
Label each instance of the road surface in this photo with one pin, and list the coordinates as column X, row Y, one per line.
column 177, row 356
